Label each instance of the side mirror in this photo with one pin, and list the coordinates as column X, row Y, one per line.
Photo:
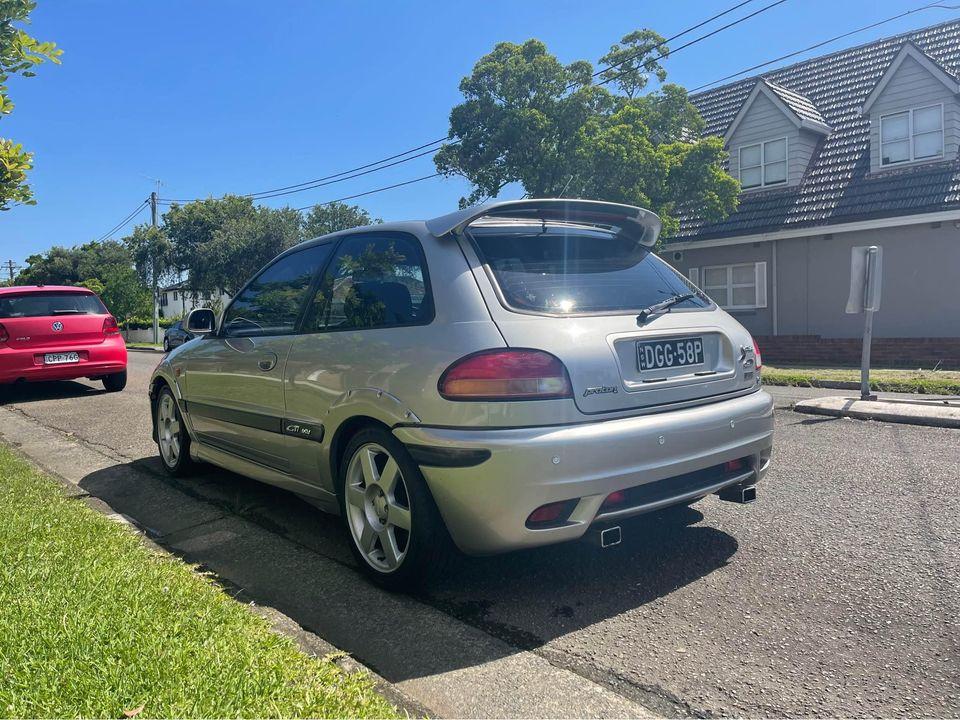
column 200, row 321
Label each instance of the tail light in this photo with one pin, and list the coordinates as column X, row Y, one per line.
column 506, row 375
column 756, row 355
column 110, row 326
column 4, row 335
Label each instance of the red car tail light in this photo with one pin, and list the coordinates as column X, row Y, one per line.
column 756, row 355
column 4, row 335
column 510, row 374
column 110, row 326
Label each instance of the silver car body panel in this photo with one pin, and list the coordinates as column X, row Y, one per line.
column 328, row 380
column 485, row 506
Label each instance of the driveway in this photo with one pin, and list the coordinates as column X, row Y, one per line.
column 835, row 594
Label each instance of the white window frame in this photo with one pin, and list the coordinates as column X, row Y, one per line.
column 763, row 163
column 910, row 136
column 759, row 283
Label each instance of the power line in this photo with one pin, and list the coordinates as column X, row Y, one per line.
column 352, row 170
column 701, row 38
column 371, row 192
column 826, row 42
column 648, row 48
column 124, row 222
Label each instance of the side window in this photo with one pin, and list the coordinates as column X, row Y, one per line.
column 375, row 280
column 271, row 303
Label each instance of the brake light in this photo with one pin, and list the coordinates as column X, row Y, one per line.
column 4, row 335
column 110, row 326
column 756, row 355
column 551, row 514
column 506, row 375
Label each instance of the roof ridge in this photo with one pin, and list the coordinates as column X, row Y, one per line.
column 762, row 76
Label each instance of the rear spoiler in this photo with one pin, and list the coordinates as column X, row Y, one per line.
column 637, row 224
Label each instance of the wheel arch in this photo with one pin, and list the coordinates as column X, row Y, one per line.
column 341, row 438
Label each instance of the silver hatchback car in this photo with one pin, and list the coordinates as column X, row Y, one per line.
column 506, row 376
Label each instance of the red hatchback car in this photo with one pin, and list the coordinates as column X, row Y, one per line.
column 51, row 332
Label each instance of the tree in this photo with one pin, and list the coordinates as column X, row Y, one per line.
column 19, row 55
column 122, row 292
column 245, row 243
column 190, row 229
column 528, row 118
column 333, row 217
column 71, row 266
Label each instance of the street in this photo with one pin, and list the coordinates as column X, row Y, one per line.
column 833, row 595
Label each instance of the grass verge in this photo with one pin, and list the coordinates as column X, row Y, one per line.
column 95, row 624
column 929, row 382
column 149, row 346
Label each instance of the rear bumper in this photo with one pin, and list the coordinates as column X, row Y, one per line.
column 96, row 360
column 665, row 458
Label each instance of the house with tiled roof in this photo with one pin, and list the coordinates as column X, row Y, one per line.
column 859, row 147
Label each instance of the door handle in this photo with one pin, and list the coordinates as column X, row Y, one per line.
column 267, row 363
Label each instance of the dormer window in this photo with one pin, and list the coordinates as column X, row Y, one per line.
column 763, row 164
column 911, row 135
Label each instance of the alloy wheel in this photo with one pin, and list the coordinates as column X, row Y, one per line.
column 378, row 507
column 168, row 430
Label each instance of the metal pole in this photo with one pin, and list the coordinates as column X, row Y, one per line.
column 156, row 300
column 865, row 358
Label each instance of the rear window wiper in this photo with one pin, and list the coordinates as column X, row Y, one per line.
column 663, row 305
column 68, row 312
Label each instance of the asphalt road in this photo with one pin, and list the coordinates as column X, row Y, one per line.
column 834, row 595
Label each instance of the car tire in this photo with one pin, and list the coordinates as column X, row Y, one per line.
column 173, row 440
column 376, row 508
column 115, row 382
column 166, row 345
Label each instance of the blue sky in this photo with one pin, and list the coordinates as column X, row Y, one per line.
column 219, row 96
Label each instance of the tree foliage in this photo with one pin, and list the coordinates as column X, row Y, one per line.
column 326, row 219
column 528, row 118
column 72, row 266
column 122, row 292
column 20, row 54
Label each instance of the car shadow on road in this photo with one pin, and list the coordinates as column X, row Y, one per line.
column 51, row 390
column 269, row 547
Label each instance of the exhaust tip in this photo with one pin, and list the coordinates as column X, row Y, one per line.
column 610, row 536
column 743, row 494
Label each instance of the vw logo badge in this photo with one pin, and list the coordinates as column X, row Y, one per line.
column 57, row 326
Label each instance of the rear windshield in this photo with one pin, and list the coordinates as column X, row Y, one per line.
column 564, row 270
column 41, row 304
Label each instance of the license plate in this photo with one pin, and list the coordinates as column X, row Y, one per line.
column 60, row 358
column 661, row 354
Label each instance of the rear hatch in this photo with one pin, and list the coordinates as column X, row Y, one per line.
column 576, row 291
column 52, row 319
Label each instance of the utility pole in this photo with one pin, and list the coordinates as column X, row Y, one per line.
column 153, row 271
column 10, row 266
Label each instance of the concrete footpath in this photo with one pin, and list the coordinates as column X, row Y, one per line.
column 424, row 660
column 934, row 412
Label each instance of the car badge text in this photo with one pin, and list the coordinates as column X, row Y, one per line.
column 600, row 390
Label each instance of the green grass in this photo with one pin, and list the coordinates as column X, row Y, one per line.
column 931, row 382
column 93, row 623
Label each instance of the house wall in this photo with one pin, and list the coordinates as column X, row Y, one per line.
column 186, row 302
column 912, row 86
column 765, row 121
column 921, row 283
column 920, row 296
column 758, row 321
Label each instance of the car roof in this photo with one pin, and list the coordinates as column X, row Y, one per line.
column 21, row 289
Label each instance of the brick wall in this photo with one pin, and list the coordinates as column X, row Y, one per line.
column 838, row 352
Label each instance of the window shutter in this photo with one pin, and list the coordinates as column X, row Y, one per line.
column 694, row 275
column 760, row 269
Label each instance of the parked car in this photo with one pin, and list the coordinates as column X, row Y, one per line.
column 507, row 376
column 175, row 336
column 49, row 332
